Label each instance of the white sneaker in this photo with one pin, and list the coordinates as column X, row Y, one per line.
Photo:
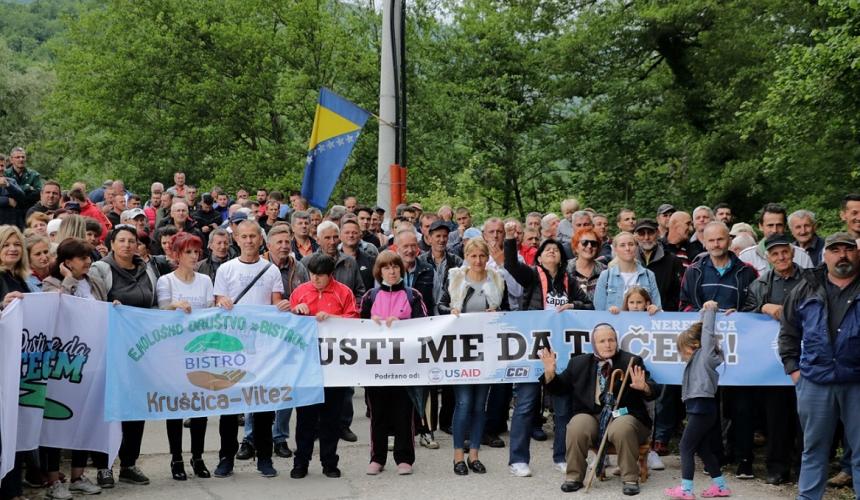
column 560, row 466
column 654, row 462
column 520, row 469
column 85, row 486
column 58, row 491
column 390, row 443
column 428, row 442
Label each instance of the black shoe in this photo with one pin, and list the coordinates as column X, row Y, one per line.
column 745, row 470
column 539, row 435
column 461, row 469
column 347, row 435
column 246, row 451
column 630, row 489
column 199, row 468
column 493, row 441
column 225, row 467
column 186, row 423
column 298, row 472
column 446, row 429
column 477, row 467
column 571, row 486
column 332, row 472
column 241, row 420
column 776, row 478
column 177, row 469
column 283, row 450
column 265, row 468
column 104, row 478
column 132, row 475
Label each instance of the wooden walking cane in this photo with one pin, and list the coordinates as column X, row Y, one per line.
column 593, row 472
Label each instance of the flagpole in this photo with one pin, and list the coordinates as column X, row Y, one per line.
column 388, row 115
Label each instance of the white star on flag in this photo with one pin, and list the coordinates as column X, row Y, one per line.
column 349, row 138
column 340, row 141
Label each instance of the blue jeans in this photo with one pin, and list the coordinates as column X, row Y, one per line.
column 470, row 413
column 845, row 461
column 819, row 408
column 280, row 428
column 522, row 423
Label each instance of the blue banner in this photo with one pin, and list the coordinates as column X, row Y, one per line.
column 169, row 364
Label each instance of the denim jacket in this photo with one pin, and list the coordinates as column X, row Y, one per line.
column 610, row 287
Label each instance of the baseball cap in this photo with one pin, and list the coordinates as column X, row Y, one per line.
column 470, row 233
column 662, row 209
column 54, row 225
column 439, row 224
column 132, row 213
column 841, row 238
column 776, row 240
column 238, row 217
column 645, row 224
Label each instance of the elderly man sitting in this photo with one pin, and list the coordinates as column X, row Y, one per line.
column 586, row 378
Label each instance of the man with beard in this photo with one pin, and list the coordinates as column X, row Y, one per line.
column 819, row 351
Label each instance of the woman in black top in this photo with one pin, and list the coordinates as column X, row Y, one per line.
column 14, row 270
column 128, row 281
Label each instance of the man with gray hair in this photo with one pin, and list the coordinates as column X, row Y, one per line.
column 548, row 226
column 803, row 228
column 702, row 216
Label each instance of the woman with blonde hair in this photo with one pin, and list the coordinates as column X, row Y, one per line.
column 73, row 226
column 14, row 270
column 472, row 288
column 40, row 257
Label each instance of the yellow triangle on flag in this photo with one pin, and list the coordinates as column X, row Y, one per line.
column 328, row 124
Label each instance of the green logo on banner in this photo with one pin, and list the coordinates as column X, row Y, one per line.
column 215, row 351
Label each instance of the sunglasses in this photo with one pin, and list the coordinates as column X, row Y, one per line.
column 589, row 243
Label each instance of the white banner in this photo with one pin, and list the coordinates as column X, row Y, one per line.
column 10, row 372
column 490, row 348
column 64, row 353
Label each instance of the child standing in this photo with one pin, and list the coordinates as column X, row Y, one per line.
column 699, row 347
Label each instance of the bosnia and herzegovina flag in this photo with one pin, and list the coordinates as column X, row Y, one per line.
column 337, row 123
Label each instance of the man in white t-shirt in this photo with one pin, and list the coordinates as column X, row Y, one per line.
column 231, row 280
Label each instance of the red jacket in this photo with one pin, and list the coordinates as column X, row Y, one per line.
column 92, row 211
column 336, row 299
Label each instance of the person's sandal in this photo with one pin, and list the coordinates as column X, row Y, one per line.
column 460, row 468
column 177, row 468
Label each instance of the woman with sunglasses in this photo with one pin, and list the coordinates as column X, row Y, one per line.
column 546, row 286
column 584, row 267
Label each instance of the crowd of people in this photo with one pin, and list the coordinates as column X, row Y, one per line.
column 181, row 248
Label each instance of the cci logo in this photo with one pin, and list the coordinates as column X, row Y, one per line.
column 517, row 372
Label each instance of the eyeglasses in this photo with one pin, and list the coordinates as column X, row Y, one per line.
column 589, row 243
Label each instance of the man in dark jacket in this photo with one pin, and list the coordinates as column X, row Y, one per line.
column 419, row 275
column 206, row 217
column 668, row 271
column 722, row 277
column 27, row 179
column 440, row 258
column 585, row 377
column 10, row 197
column 819, row 350
column 766, row 295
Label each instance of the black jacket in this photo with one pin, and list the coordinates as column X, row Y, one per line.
column 529, row 277
column 421, row 279
column 668, row 272
column 579, row 379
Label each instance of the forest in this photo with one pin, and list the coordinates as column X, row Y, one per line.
column 513, row 105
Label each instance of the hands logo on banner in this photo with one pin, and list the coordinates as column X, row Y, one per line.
column 43, row 359
column 231, row 357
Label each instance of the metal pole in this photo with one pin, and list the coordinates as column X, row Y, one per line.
column 388, row 133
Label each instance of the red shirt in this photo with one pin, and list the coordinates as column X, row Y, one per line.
column 529, row 254
column 89, row 209
column 336, row 299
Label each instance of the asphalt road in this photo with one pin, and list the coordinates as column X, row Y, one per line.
column 433, row 477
